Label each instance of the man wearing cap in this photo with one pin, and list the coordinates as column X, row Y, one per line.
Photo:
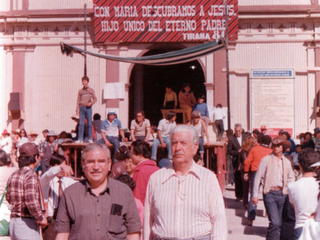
column 25, row 195
column 274, row 174
column 110, row 130
column 264, row 129
column 86, row 98
column 6, row 142
column 46, row 150
column 303, row 194
column 34, row 137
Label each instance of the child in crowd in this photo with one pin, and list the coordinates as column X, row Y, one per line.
column 153, row 133
column 170, row 99
column 202, row 107
column 198, row 124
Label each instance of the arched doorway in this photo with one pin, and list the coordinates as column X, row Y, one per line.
column 148, row 84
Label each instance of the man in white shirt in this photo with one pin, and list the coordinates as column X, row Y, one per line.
column 184, row 201
column 164, row 128
column 6, row 142
column 53, row 183
column 303, row 194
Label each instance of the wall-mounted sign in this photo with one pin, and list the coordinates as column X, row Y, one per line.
column 272, row 100
column 164, row 20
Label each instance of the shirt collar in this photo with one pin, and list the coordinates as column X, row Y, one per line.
column 88, row 188
column 195, row 170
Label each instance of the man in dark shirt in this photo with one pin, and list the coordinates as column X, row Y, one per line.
column 234, row 147
column 25, row 195
column 98, row 207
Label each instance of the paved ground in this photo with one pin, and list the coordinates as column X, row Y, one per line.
column 237, row 219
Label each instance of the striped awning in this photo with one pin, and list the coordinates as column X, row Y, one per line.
column 169, row 58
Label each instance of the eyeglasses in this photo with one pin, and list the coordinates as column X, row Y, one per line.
column 276, row 145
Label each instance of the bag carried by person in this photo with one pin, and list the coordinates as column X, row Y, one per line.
column 4, row 224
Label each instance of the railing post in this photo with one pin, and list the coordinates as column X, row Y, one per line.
column 221, row 165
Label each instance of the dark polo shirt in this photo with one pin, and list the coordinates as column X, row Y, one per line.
column 85, row 216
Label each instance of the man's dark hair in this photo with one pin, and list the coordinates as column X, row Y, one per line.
column 219, row 105
column 140, row 111
column 126, row 179
column 4, row 158
column 307, row 157
column 141, row 148
column 201, row 96
column 170, row 115
column 308, row 133
column 24, row 161
column 96, row 116
column 287, row 135
column 197, row 157
column 56, row 159
column 265, row 139
column 85, row 78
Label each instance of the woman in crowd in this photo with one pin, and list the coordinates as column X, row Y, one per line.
column 308, row 142
column 249, row 143
column 118, row 168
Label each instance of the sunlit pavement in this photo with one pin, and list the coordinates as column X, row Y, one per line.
column 237, row 219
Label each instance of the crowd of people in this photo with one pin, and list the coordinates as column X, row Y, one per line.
column 130, row 198
column 136, row 194
column 286, row 173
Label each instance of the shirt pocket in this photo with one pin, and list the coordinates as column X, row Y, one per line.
column 116, row 225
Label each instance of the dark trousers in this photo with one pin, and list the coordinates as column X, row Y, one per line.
column 238, row 184
column 220, row 128
column 48, row 232
column 288, row 222
column 245, row 189
column 274, row 202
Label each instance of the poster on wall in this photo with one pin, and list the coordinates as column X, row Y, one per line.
column 164, row 20
column 272, row 100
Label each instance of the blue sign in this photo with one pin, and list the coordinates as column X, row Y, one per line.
column 272, row 73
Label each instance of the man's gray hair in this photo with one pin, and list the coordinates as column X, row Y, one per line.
column 186, row 128
column 96, row 147
column 237, row 125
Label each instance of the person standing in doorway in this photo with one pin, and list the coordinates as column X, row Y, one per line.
column 86, row 98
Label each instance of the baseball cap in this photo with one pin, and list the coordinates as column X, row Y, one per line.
column 28, row 149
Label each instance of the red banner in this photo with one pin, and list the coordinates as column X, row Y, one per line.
column 164, row 20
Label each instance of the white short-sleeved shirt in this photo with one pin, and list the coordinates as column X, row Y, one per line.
column 304, row 195
column 140, row 130
column 165, row 126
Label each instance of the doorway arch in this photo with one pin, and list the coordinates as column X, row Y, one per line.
column 147, row 85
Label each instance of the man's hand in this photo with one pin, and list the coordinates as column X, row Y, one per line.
column 163, row 144
column 43, row 223
column 89, row 104
column 66, row 170
column 77, row 112
column 125, row 139
column 255, row 200
column 246, row 177
column 108, row 144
